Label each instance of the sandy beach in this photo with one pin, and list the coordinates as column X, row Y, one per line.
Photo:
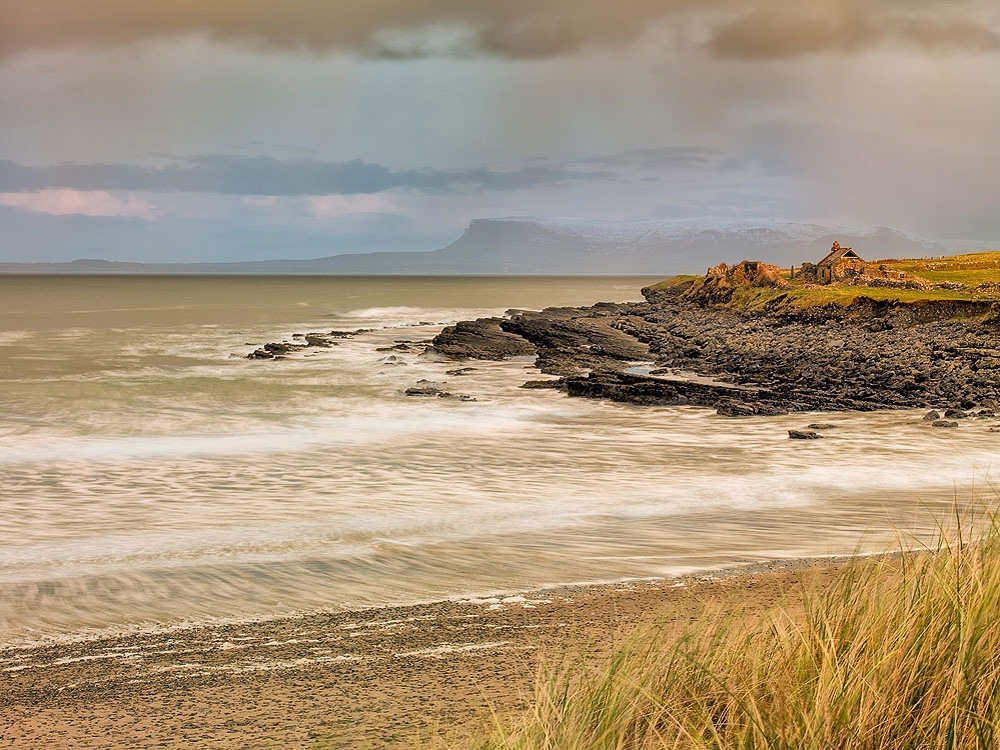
column 374, row 678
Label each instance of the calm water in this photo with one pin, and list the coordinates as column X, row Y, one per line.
column 150, row 475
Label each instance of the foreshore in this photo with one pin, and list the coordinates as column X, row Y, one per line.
column 383, row 677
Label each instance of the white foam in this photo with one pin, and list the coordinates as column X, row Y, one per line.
column 445, row 649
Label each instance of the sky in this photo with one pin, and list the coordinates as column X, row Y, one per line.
column 214, row 130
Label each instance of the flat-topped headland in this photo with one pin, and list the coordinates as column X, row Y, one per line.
column 755, row 339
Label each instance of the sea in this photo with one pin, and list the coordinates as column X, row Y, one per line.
column 152, row 477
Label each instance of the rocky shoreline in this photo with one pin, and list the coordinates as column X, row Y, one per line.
column 870, row 355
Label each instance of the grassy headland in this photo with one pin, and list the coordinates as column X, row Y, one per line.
column 970, row 278
column 898, row 652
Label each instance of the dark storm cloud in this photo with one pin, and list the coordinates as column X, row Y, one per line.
column 511, row 28
column 242, row 175
column 517, row 29
column 768, row 34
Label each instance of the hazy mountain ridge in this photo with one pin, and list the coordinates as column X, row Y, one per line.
column 562, row 246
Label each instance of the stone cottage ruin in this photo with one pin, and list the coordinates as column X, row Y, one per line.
column 844, row 266
column 840, row 264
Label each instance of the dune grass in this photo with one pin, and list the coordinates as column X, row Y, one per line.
column 902, row 651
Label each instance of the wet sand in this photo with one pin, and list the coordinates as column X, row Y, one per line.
column 375, row 678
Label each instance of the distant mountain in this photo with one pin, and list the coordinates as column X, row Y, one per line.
column 563, row 246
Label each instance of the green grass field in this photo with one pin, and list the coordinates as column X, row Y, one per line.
column 970, row 269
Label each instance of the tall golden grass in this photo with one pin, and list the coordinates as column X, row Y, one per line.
column 901, row 651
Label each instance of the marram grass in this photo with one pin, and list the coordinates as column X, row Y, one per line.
column 899, row 652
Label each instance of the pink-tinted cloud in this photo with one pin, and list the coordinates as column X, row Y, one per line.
column 332, row 206
column 62, row 201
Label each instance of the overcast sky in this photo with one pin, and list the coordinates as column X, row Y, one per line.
column 219, row 130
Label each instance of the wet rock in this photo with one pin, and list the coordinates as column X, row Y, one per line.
column 566, row 335
column 821, row 426
column 481, row 339
column 770, row 410
column 318, row 339
column 282, row 347
column 425, row 388
column 735, row 409
column 932, row 416
column 943, row 423
column 625, row 388
column 955, row 414
column 394, row 348
column 803, row 435
column 260, row 354
column 456, row 396
column 556, row 384
column 347, row 334
column 461, row 371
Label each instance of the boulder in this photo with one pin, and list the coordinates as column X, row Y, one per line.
column 803, row 435
column 425, row 388
column 943, row 423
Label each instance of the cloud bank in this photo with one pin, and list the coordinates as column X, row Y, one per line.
column 515, row 29
column 66, row 201
column 261, row 175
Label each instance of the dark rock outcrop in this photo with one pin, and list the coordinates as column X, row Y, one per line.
column 481, row 339
column 572, row 340
column 871, row 354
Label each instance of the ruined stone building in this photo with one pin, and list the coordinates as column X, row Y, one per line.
column 840, row 264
